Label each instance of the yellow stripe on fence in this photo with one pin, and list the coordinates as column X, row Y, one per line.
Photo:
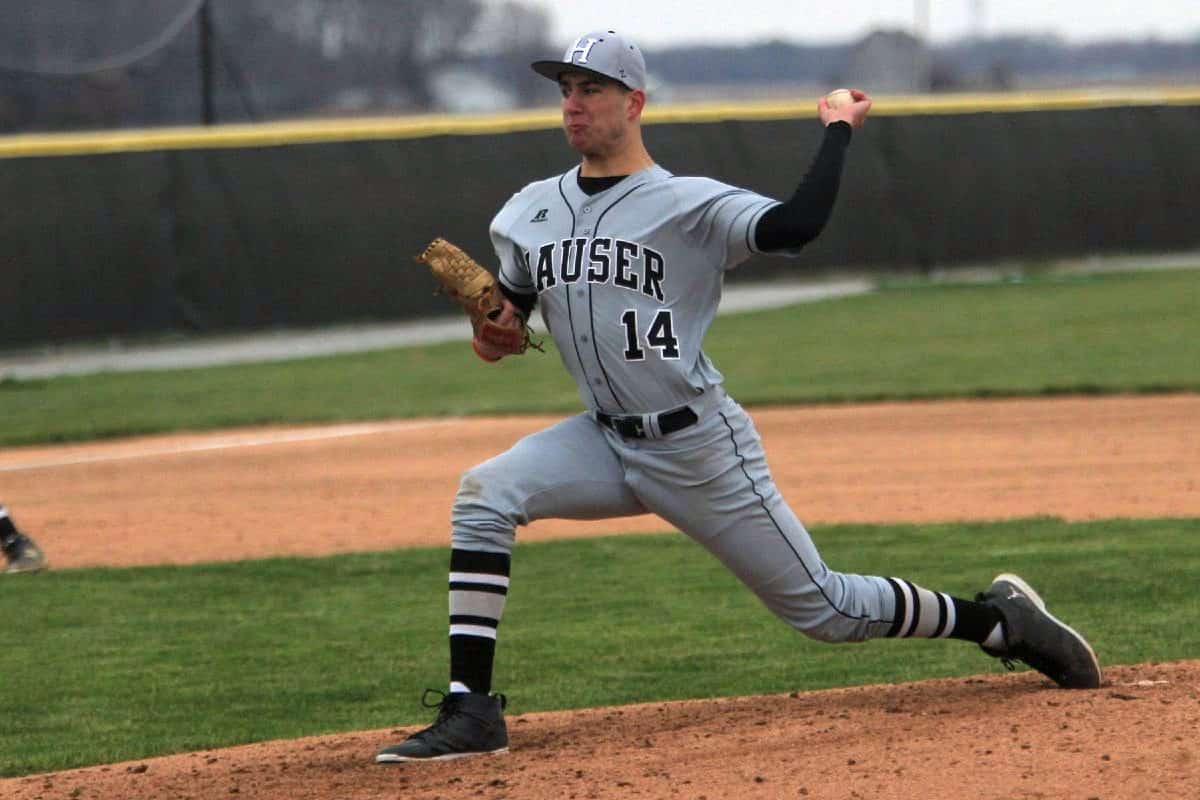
column 275, row 134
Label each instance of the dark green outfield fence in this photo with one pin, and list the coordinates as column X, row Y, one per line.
column 244, row 228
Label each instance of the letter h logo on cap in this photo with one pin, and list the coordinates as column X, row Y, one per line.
column 583, row 47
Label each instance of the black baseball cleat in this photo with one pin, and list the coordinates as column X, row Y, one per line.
column 467, row 724
column 1034, row 636
column 23, row 555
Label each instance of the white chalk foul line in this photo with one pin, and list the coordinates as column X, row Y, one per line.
column 228, row 443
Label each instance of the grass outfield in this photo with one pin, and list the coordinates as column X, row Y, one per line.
column 104, row 665
column 1106, row 333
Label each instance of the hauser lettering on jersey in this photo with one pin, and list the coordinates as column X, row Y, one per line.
column 626, row 264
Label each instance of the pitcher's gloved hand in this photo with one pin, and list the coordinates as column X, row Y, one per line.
column 500, row 328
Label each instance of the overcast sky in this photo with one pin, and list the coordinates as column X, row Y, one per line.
column 662, row 22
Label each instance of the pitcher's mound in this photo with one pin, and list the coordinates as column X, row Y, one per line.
column 995, row 736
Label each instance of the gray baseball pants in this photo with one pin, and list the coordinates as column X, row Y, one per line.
column 710, row 480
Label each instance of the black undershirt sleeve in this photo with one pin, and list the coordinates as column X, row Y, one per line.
column 525, row 302
column 797, row 222
column 789, row 225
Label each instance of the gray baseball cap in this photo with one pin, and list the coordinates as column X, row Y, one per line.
column 605, row 54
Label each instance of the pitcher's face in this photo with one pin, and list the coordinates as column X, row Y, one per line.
column 597, row 114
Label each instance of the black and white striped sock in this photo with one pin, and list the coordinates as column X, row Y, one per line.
column 478, row 591
column 924, row 614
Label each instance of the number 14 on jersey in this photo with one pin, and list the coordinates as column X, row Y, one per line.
column 659, row 335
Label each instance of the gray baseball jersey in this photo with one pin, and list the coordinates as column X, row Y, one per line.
column 629, row 280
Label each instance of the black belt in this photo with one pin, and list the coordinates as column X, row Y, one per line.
column 633, row 427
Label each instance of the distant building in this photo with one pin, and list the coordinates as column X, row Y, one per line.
column 469, row 91
column 888, row 62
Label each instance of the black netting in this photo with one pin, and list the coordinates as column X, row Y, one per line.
column 74, row 37
column 97, row 64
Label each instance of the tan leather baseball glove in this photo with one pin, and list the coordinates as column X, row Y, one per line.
column 476, row 290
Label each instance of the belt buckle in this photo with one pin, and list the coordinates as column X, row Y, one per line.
column 629, row 427
column 626, row 427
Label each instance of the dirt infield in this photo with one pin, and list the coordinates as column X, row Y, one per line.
column 314, row 491
column 311, row 491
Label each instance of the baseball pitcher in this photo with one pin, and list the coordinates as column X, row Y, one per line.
column 625, row 261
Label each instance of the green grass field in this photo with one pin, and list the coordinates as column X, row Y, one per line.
column 1092, row 334
column 110, row 664
column 121, row 664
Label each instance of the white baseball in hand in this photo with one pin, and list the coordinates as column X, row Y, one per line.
column 839, row 97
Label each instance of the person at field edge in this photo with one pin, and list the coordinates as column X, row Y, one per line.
column 626, row 261
column 20, row 551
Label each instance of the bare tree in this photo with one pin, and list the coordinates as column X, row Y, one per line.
column 508, row 36
column 412, row 35
column 509, row 27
